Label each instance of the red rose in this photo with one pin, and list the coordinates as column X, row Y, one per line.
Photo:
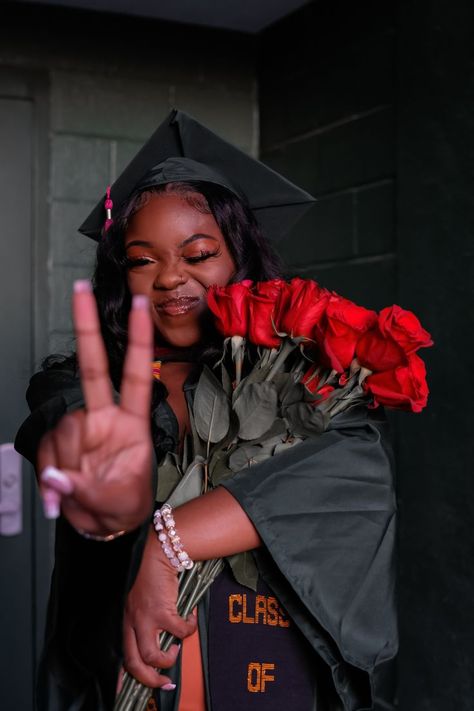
column 397, row 334
column 312, row 383
column 403, row 388
column 377, row 352
column 302, row 305
column 310, row 380
column 404, row 327
column 324, row 392
column 229, row 304
column 343, row 324
column 262, row 303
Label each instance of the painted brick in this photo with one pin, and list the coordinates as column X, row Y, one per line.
column 324, row 32
column 358, row 152
column 375, row 219
column 80, row 167
column 107, row 106
column 298, row 161
column 68, row 247
column 324, row 233
column 229, row 113
column 370, row 284
column 132, row 47
column 124, row 152
column 61, row 343
column 61, row 281
column 328, row 89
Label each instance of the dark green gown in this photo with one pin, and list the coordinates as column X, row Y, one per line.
column 325, row 511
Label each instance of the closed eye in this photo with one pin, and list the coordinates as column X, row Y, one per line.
column 130, row 263
column 202, row 256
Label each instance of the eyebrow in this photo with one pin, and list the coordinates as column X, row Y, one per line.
column 188, row 240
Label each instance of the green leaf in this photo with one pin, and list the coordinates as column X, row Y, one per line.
column 305, row 420
column 226, row 381
column 287, row 445
column 278, row 429
column 191, row 484
column 256, row 408
column 198, row 446
column 245, row 456
column 220, row 471
column 256, row 376
column 168, row 477
column 244, row 569
column 211, row 408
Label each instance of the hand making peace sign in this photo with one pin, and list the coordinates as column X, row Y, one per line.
column 96, row 464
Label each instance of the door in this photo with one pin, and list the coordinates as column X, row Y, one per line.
column 23, row 555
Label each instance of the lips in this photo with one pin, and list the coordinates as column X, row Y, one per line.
column 178, row 306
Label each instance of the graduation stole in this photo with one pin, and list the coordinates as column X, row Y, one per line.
column 156, row 369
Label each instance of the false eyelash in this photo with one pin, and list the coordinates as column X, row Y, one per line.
column 138, row 262
column 202, row 257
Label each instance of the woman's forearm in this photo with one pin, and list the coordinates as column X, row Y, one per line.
column 215, row 525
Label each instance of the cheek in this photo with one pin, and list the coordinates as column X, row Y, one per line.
column 138, row 282
column 219, row 273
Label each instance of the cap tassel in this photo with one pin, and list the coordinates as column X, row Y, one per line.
column 108, row 204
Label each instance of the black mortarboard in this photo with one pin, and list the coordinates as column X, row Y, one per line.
column 183, row 149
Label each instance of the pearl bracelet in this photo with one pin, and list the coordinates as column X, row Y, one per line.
column 164, row 526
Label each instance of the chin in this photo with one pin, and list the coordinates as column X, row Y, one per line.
column 179, row 338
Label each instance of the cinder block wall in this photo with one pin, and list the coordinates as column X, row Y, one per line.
column 327, row 122
column 372, row 110
column 112, row 79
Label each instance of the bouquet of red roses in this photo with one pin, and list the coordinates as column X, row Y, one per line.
column 300, row 356
column 337, row 339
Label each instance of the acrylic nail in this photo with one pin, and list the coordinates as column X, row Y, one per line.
column 168, row 687
column 51, row 505
column 82, row 286
column 57, row 480
column 140, row 301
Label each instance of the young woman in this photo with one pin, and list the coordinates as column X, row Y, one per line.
column 319, row 519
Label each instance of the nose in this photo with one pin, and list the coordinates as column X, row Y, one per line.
column 169, row 275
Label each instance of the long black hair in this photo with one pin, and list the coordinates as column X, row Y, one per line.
column 253, row 256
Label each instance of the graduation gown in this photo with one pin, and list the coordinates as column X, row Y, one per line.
column 325, row 511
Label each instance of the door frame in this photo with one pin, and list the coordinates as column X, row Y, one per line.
column 33, row 85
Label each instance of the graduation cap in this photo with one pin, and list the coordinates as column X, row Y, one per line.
column 182, row 149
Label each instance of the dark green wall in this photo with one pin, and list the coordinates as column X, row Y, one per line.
column 327, row 121
column 435, row 185
column 371, row 107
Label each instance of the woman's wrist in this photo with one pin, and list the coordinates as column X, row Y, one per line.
column 215, row 526
column 165, row 527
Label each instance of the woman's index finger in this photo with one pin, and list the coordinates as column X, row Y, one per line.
column 91, row 353
column 135, row 392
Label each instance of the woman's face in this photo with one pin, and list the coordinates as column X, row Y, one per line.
column 175, row 252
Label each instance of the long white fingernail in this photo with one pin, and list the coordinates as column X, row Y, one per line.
column 82, row 286
column 168, row 687
column 57, row 480
column 51, row 505
column 140, row 301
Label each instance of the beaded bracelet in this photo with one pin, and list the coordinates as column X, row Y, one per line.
column 164, row 525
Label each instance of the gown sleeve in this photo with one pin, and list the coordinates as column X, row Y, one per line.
column 325, row 511
column 82, row 649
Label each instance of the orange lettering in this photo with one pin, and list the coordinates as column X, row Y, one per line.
column 254, row 674
column 246, row 620
column 258, row 677
column 260, row 609
column 283, row 620
column 272, row 612
column 233, row 617
column 267, row 677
